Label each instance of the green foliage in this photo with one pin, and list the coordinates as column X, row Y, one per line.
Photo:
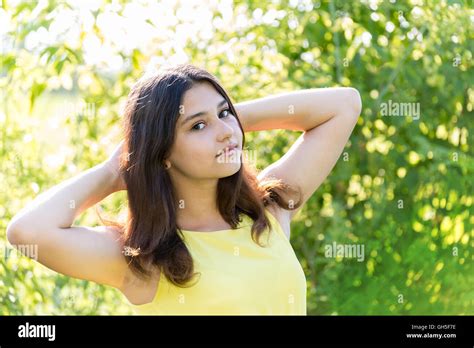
column 402, row 188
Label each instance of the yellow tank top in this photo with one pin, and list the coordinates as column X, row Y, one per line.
column 237, row 276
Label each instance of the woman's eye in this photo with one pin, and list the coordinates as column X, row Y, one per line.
column 197, row 124
column 228, row 112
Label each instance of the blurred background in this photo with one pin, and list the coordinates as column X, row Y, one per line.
column 403, row 187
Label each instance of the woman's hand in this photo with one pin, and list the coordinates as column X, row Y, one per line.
column 113, row 165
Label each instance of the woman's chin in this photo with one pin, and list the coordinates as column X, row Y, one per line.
column 228, row 168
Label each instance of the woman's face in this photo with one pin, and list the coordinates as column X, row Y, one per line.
column 200, row 138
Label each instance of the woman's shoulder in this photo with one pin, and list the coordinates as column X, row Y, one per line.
column 282, row 216
column 139, row 291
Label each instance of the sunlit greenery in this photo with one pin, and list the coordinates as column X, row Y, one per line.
column 402, row 188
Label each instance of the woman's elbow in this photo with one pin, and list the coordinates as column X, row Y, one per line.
column 13, row 234
column 16, row 232
column 355, row 101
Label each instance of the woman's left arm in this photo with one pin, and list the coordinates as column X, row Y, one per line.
column 327, row 117
column 298, row 110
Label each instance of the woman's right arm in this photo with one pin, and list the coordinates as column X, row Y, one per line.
column 90, row 253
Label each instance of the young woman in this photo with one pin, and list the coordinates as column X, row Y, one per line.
column 204, row 234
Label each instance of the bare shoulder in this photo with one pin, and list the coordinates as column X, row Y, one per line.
column 136, row 290
column 139, row 291
column 282, row 216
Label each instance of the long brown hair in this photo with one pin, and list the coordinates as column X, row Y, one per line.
column 150, row 233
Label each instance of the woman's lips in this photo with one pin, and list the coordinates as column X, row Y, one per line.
column 228, row 150
column 232, row 152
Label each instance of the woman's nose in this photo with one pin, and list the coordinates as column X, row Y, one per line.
column 225, row 129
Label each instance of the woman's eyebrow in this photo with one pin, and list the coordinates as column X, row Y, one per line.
column 189, row 118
